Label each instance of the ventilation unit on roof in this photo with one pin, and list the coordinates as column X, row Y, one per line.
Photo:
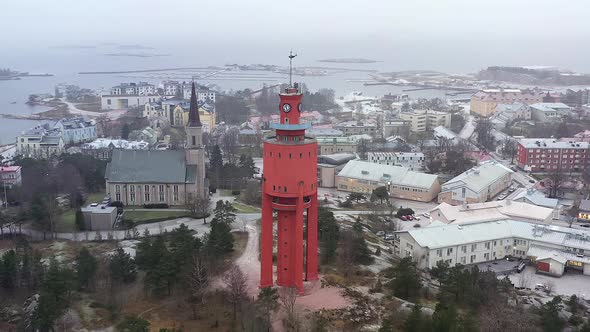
column 365, row 172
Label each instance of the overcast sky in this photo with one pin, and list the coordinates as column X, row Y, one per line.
column 422, row 32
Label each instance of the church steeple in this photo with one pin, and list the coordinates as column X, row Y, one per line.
column 193, row 115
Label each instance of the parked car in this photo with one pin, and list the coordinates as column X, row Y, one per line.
column 380, row 233
column 585, row 225
column 532, row 181
column 409, row 217
column 426, row 214
column 404, row 218
column 416, row 217
column 417, row 226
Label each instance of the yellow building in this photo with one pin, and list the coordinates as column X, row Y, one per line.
column 180, row 117
column 484, row 102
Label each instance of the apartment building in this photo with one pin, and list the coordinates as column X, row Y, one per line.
column 547, row 112
column 141, row 88
column 39, row 142
column 357, row 128
column 422, row 120
column 332, row 145
column 484, row 102
column 10, row 176
column 549, row 154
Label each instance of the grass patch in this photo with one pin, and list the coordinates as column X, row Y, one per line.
column 243, row 208
column 95, row 197
column 67, row 221
column 144, row 216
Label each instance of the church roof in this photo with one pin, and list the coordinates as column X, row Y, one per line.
column 193, row 115
column 150, row 166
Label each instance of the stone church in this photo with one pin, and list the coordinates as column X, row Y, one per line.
column 173, row 177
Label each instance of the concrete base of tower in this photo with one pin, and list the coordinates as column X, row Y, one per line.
column 312, row 277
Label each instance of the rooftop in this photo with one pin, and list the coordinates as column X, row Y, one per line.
column 9, row 168
column 445, row 132
column 105, row 143
column 336, row 158
column 453, row 235
column 552, row 143
column 480, row 177
column 536, row 197
column 585, row 205
column 550, row 107
column 151, row 166
column 100, row 208
column 495, row 210
column 397, row 175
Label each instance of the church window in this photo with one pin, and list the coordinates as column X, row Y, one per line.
column 146, row 193
column 194, row 140
column 132, row 193
column 161, row 191
column 175, row 193
column 118, row 193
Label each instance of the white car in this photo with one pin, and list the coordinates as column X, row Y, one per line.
column 426, row 214
column 416, row 218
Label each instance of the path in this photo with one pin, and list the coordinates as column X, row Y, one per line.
column 153, row 228
column 113, row 115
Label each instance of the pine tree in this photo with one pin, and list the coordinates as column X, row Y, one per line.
column 125, row 131
column 328, row 234
column 53, row 300
column 122, row 267
column 215, row 166
column 247, row 166
column 406, row 284
column 86, row 266
column 8, row 269
column 80, row 220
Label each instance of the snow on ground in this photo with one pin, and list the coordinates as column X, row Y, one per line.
column 568, row 284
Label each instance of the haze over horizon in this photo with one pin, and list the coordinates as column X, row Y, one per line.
column 453, row 36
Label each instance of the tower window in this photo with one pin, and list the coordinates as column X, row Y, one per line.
column 301, row 155
column 289, row 156
column 194, row 140
column 285, row 189
column 279, row 155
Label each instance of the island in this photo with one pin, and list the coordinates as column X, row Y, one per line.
column 7, row 74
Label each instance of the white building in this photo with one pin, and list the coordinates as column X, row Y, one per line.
column 545, row 112
column 505, row 113
column 476, row 185
column 76, row 130
column 536, row 197
column 414, row 161
column 422, row 120
column 551, row 247
column 39, row 142
column 495, row 210
column 141, row 88
column 122, row 102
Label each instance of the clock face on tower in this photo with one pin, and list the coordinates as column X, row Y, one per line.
column 286, row 108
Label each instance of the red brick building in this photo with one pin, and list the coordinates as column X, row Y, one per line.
column 549, row 154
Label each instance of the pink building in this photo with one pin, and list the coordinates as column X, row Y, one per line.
column 10, row 175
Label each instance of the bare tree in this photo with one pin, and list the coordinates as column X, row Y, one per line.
column 573, row 213
column 509, row 149
column 549, row 286
column 484, row 130
column 235, row 282
column 556, row 178
column 497, row 315
column 229, row 142
column 199, row 207
column 104, row 125
column 288, row 297
column 198, row 280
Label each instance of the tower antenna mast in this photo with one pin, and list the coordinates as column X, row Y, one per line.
column 291, row 56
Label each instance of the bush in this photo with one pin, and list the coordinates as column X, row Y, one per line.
column 235, row 192
column 156, row 206
column 117, row 204
column 346, row 204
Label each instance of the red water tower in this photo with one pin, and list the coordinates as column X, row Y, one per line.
column 289, row 187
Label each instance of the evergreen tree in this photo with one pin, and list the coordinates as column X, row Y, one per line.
column 444, row 318
column 380, row 193
column 550, row 319
column 80, row 220
column 267, row 303
column 361, row 252
column 182, row 245
column 328, row 234
column 220, row 240
column 247, row 166
column 215, row 166
column 122, row 267
column 125, row 131
column 86, row 266
column 416, row 322
column 406, row 283
column 8, row 269
column 53, row 300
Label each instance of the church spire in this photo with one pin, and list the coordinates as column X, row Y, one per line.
column 193, row 115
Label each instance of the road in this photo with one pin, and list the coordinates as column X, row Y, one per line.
column 113, row 115
column 242, row 221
